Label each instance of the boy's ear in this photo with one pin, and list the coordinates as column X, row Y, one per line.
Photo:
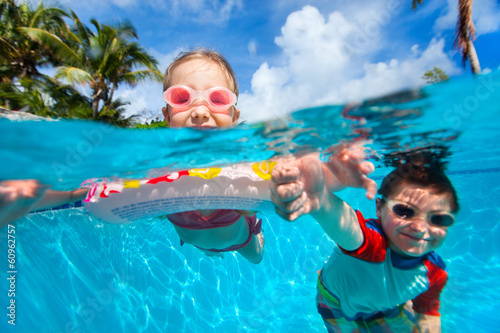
column 164, row 110
column 236, row 116
column 379, row 204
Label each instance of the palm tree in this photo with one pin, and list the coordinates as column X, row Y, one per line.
column 44, row 97
column 108, row 58
column 415, row 3
column 31, row 38
column 113, row 113
column 465, row 35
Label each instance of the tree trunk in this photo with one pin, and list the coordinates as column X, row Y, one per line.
column 95, row 106
column 464, row 36
column 96, row 98
column 473, row 59
column 110, row 97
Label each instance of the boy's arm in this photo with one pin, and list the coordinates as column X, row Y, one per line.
column 304, row 186
column 428, row 323
column 340, row 222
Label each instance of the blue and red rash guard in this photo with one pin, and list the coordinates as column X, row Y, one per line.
column 374, row 278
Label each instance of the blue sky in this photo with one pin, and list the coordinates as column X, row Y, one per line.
column 291, row 54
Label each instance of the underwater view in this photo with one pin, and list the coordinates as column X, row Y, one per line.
column 76, row 273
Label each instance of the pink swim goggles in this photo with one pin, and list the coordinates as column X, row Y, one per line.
column 219, row 99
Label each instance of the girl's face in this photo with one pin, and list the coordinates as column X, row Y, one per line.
column 200, row 74
column 416, row 236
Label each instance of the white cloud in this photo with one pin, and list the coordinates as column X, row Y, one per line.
column 253, row 47
column 328, row 60
column 385, row 77
column 485, row 14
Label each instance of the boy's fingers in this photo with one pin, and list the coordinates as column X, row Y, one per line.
column 285, row 174
column 287, row 192
column 366, row 167
column 290, row 216
column 371, row 188
column 289, row 206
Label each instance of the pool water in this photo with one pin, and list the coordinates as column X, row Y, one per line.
column 78, row 274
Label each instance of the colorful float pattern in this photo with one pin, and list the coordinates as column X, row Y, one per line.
column 244, row 186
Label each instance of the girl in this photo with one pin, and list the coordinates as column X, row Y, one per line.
column 201, row 91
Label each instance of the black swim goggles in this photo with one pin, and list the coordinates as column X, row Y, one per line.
column 406, row 211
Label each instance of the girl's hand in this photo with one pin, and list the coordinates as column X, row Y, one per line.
column 17, row 197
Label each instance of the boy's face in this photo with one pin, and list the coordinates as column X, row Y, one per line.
column 200, row 74
column 414, row 237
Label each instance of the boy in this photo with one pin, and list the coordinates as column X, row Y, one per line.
column 380, row 267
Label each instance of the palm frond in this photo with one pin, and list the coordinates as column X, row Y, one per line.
column 142, row 75
column 415, row 3
column 74, row 75
column 55, row 43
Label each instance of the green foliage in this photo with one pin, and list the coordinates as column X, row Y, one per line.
column 109, row 57
column 30, row 38
column 102, row 58
column 153, row 124
column 435, row 75
column 43, row 96
column 415, row 3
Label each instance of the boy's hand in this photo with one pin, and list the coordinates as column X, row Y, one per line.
column 17, row 197
column 347, row 167
column 301, row 186
column 298, row 186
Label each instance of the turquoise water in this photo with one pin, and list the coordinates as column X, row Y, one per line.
column 78, row 274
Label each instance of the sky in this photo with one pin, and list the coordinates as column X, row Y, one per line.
column 293, row 54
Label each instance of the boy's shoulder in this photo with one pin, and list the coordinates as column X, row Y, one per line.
column 435, row 259
column 370, row 223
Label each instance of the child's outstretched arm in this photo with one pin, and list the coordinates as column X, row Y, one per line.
column 428, row 323
column 305, row 185
column 19, row 197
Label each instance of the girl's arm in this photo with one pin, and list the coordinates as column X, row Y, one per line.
column 56, row 198
column 19, row 197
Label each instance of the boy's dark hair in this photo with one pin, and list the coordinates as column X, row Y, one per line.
column 416, row 170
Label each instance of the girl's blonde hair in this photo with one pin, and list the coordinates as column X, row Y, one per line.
column 201, row 53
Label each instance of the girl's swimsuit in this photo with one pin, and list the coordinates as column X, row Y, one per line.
column 193, row 220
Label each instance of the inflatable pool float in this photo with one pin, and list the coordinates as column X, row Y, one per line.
column 242, row 187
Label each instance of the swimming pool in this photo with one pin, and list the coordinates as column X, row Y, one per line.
column 78, row 274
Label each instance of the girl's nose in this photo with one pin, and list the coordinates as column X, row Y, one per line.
column 200, row 111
